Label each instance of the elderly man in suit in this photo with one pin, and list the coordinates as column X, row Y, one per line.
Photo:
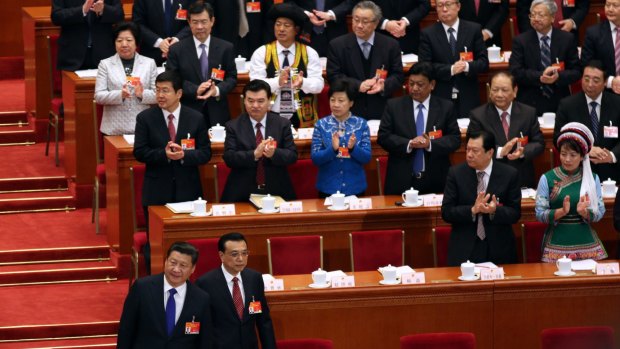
column 85, row 31
column 166, row 310
column 482, row 200
column 419, row 132
column 258, row 148
column 568, row 18
column 544, row 61
column 401, row 19
column 514, row 126
column 602, row 43
column 238, row 302
column 162, row 25
column 206, row 65
column 458, row 54
column 599, row 111
column 371, row 60
column 163, row 141
column 491, row 15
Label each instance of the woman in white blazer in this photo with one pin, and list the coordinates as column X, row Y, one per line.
column 125, row 83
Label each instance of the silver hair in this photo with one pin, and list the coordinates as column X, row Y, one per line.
column 369, row 5
column 551, row 6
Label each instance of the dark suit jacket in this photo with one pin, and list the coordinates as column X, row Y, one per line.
column 414, row 11
column 435, row 48
column 232, row 333
column 491, row 16
column 523, row 120
column 575, row 109
column 239, row 156
column 344, row 60
column 598, row 44
column 149, row 15
column 526, row 67
column 577, row 13
column 143, row 321
column 166, row 180
column 459, row 197
column 184, row 59
column 398, row 127
column 75, row 30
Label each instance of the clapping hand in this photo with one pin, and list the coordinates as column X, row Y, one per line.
column 582, row 206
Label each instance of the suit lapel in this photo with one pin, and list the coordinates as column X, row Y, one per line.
column 605, row 116
column 584, row 109
column 515, row 123
column 118, row 70
column 356, row 56
column 555, row 54
column 161, row 123
column 157, row 305
column 192, row 54
column 534, row 47
column 433, row 115
column 182, row 127
column 248, row 291
column 496, row 122
column 409, row 116
column 492, row 186
column 441, row 35
column 222, row 285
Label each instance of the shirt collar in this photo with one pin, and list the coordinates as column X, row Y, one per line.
column 180, row 290
column 228, row 276
column 425, row 103
column 176, row 112
column 508, row 110
column 370, row 40
column 280, row 48
column 612, row 26
column 455, row 26
column 488, row 169
column 263, row 122
column 597, row 100
column 540, row 35
column 197, row 42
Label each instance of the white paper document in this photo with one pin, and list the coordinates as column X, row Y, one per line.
column 129, row 139
column 181, row 207
column 87, row 73
column 586, row 264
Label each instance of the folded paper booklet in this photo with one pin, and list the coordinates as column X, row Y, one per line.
column 129, row 139
column 181, row 207
column 586, row 264
column 257, row 200
column 335, row 273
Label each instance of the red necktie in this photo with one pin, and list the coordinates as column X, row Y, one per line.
column 237, row 300
column 260, row 167
column 505, row 124
column 171, row 130
column 477, row 3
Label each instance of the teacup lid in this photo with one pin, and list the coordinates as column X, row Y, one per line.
column 609, row 181
column 319, row 271
column 411, row 190
column 199, row 201
column 217, row 126
column 565, row 259
column 338, row 193
column 467, row 264
column 493, row 48
column 389, row 267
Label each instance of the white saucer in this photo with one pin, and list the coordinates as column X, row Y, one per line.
column 475, row 277
column 215, row 140
column 496, row 61
column 206, row 214
column 275, row 210
column 395, row 282
column 313, row 285
column 243, row 71
column 417, row 204
column 557, row 273
column 332, row 208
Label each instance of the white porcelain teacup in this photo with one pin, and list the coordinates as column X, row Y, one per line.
column 493, row 54
column 240, row 63
column 217, row 132
column 200, row 206
column 319, row 277
column 269, row 203
column 338, row 200
column 564, row 265
column 389, row 274
column 548, row 119
column 468, row 270
column 410, row 196
column 609, row 187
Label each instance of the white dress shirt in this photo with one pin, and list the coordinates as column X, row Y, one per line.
column 179, row 298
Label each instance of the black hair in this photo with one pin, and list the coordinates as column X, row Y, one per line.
column 234, row 236
column 170, row 76
column 505, row 74
column 422, row 68
column 488, row 140
column 184, row 248
column 596, row 64
column 343, row 85
column 572, row 145
column 130, row 26
column 199, row 7
column 257, row 85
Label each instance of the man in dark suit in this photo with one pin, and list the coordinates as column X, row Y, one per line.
column 481, row 223
column 401, row 19
column 599, row 111
column 418, row 158
column 514, row 126
column 85, row 31
column 171, row 169
column 544, row 61
column 491, row 15
column 206, row 65
column 238, row 302
column 166, row 310
column 568, row 19
column 372, row 61
column 258, row 148
column 327, row 22
column 162, row 24
column 458, row 54
column 600, row 43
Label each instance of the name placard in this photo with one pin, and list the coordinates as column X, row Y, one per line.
column 492, row 273
column 224, row 210
column 413, row 278
column 432, row 200
column 291, row 207
column 361, row 204
column 343, row 281
column 607, row 269
column 305, row 133
column 274, row 285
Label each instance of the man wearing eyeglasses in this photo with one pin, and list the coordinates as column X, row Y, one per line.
column 544, row 61
column 457, row 51
column 568, row 18
column 238, row 302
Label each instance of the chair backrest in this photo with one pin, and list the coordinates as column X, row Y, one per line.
column 381, row 171
column 97, row 116
column 309, row 343
column 456, row 340
column 600, row 16
column 514, row 28
column 591, row 337
column 531, row 239
column 441, row 238
column 303, row 176
column 322, row 99
column 208, row 256
column 307, row 251
column 221, row 172
column 373, row 249
column 136, row 181
column 52, row 59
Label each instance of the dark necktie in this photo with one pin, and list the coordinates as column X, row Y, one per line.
column 418, row 156
column 237, row 299
column 171, row 130
column 594, row 118
column 285, row 62
column 171, row 309
column 204, row 62
column 617, row 51
column 260, row 166
column 481, row 188
column 320, row 6
column 168, row 17
column 451, row 32
column 545, row 60
column 505, row 123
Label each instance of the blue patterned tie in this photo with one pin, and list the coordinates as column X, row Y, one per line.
column 451, row 31
column 320, row 6
column 545, row 60
column 366, row 49
column 594, row 118
column 204, row 62
column 171, row 309
column 168, row 17
column 418, row 156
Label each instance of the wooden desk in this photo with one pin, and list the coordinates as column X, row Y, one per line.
column 503, row 314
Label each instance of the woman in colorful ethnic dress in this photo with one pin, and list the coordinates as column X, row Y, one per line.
column 569, row 199
column 341, row 145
